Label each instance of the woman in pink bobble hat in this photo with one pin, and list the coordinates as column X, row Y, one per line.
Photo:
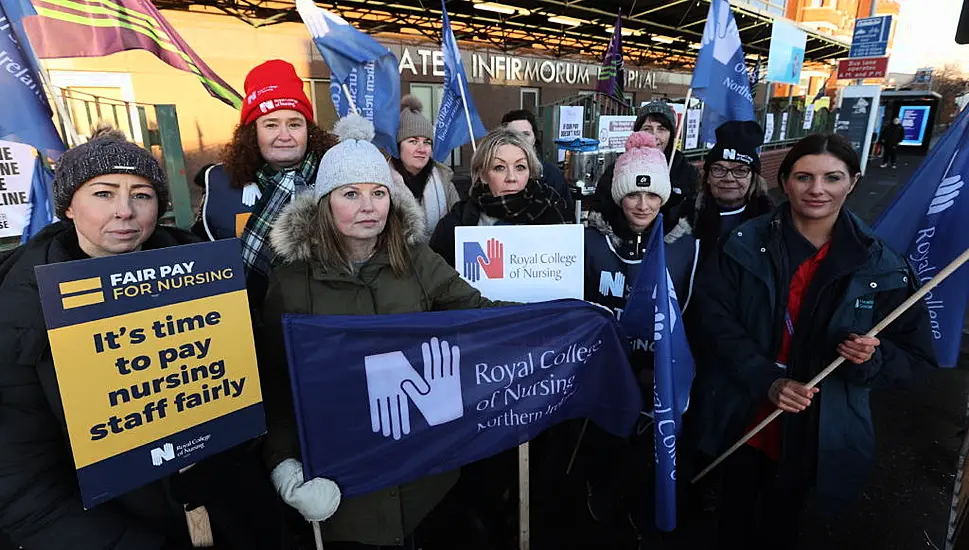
column 616, row 241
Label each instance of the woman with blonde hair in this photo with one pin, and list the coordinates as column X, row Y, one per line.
column 505, row 190
column 353, row 246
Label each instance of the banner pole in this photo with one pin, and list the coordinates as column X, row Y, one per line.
column 918, row 295
column 679, row 127
column 346, row 92
column 575, row 452
column 524, row 534
column 467, row 113
column 317, row 535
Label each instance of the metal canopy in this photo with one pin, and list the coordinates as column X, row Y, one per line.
column 663, row 33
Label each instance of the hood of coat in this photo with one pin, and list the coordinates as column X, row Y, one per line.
column 597, row 221
column 295, row 235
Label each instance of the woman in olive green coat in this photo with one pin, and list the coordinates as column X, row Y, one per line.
column 351, row 247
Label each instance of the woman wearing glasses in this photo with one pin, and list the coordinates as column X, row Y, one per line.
column 732, row 190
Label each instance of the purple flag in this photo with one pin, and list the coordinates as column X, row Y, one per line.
column 612, row 76
column 89, row 28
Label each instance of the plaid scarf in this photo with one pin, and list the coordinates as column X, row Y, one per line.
column 278, row 189
column 536, row 204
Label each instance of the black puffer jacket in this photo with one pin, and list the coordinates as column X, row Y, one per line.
column 40, row 504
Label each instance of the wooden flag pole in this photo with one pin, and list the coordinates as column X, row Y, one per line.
column 918, row 295
column 679, row 127
column 524, row 531
column 467, row 115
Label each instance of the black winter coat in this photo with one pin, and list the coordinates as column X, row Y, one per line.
column 40, row 503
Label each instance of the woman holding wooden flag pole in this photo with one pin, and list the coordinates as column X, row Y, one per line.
column 785, row 295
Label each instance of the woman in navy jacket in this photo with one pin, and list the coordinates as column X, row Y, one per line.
column 785, row 294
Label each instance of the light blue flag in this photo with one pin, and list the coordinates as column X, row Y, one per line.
column 359, row 66
column 452, row 130
column 41, row 205
column 720, row 77
column 927, row 223
column 25, row 114
column 653, row 314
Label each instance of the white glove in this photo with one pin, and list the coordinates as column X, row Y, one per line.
column 317, row 499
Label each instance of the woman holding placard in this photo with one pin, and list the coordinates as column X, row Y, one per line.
column 108, row 193
column 354, row 246
column 505, row 190
column 783, row 296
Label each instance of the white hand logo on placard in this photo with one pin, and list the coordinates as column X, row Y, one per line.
column 391, row 379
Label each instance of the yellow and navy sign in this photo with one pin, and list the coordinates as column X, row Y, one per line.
column 155, row 361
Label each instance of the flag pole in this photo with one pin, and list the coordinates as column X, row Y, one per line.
column 912, row 300
column 679, row 127
column 317, row 535
column 346, row 92
column 467, row 113
column 524, row 535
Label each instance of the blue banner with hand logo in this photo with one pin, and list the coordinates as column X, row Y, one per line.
column 386, row 399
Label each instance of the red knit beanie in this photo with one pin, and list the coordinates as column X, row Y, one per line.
column 273, row 86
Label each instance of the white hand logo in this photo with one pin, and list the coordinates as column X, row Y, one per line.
column 438, row 395
column 391, row 379
column 658, row 327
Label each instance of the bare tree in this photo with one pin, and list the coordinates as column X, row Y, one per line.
column 950, row 82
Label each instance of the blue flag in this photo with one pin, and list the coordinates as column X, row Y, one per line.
column 25, row 114
column 927, row 222
column 720, row 77
column 453, row 129
column 386, row 399
column 359, row 66
column 41, row 205
column 653, row 314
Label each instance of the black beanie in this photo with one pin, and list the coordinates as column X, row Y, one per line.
column 107, row 152
column 738, row 142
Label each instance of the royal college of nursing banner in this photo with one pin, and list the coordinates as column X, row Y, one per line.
column 155, row 361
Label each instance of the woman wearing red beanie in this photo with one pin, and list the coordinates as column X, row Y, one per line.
column 274, row 153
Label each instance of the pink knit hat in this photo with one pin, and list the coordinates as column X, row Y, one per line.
column 641, row 168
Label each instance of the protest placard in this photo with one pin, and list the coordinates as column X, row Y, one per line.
column 155, row 361
column 16, row 176
column 522, row 263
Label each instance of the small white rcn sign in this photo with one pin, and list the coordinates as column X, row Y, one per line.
column 522, row 263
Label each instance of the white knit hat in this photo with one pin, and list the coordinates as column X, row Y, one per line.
column 641, row 168
column 354, row 160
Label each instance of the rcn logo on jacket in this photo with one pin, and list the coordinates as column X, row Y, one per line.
column 476, row 261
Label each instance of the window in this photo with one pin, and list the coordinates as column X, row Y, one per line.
column 530, row 99
column 431, row 96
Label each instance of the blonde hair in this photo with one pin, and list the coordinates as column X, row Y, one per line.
column 484, row 157
column 331, row 252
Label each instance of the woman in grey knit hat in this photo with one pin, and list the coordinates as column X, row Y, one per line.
column 109, row 194
column 429, row 181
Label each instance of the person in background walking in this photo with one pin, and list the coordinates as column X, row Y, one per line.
column 785, row 295
column 522, row 120
column 892, row 135
column 429, row 181
column 659, row 119
column 733, row 191
column 354, row 246
column 273, row 155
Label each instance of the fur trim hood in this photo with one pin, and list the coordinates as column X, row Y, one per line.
column 294, row 235
column 598, row 222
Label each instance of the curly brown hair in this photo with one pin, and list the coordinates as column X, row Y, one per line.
column 242, row 157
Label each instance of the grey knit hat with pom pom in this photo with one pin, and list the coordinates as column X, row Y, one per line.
column 413, row 123
column 107, row 152
column 354, row 160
